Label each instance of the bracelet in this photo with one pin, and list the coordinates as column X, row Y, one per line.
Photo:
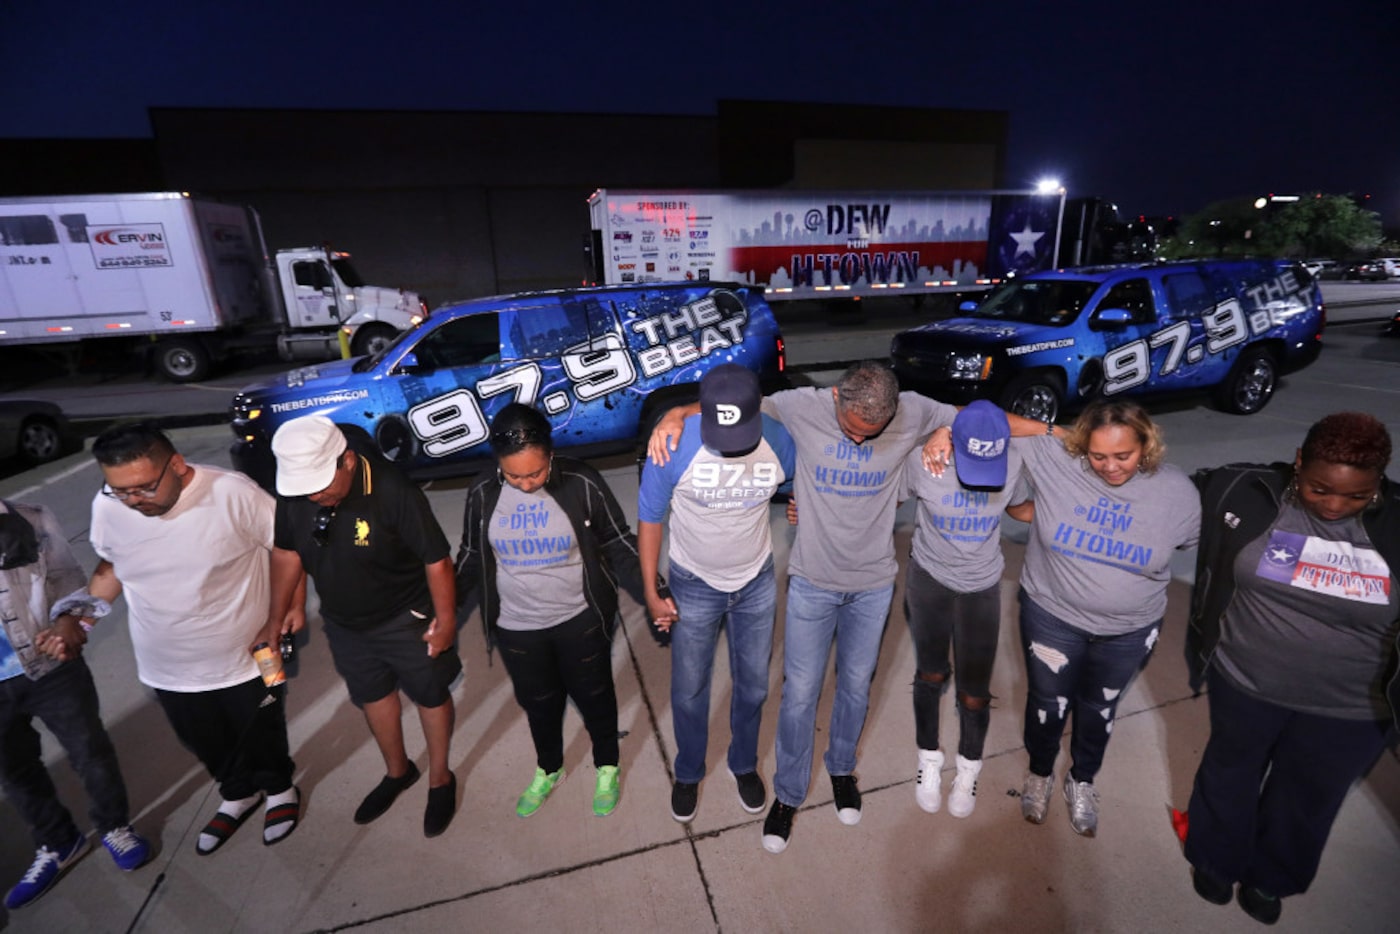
column 87, row 627
column 1050, row 429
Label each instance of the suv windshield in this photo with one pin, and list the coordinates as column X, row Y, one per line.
column 1056, row 302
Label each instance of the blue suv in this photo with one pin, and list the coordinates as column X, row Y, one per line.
column 602, row 363
column 1054, row 340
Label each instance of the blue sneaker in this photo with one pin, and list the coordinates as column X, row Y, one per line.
column 48, row 866
column 129, row 849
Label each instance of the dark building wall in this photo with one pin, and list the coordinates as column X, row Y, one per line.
column 456, row 204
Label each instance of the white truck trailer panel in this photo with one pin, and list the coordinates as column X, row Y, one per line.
column 805, row 244
column 76, row 267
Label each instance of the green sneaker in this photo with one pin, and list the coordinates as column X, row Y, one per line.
column 607, row 791
column 540, row 787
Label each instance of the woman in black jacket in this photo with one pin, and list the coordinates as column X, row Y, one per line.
column 1294, row 622
column 546, row 542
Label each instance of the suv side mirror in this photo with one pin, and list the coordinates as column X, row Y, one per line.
column 408, row 363
column 1111, row 319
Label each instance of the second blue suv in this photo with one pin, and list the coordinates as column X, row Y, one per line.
column 1057, row 339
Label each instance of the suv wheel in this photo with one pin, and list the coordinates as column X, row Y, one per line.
column 1250, row 385
column 1035, row 395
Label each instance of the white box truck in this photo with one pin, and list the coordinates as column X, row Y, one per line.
column 825, row 244
column 187, row 280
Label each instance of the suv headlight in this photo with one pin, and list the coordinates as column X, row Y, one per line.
column 969, row 366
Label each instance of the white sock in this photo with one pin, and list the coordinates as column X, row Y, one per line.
column 234, row 809
column 278, row 831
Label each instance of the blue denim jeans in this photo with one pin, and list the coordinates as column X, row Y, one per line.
column 66, row 701
column 815, row 619
column 1070, row 671
column 747, row 616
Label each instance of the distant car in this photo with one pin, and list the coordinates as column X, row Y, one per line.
column 33, row 431
column 1321, row 268
column 602, row 363
column 1054, row 340
column 1368, row 270
column 1390, row 265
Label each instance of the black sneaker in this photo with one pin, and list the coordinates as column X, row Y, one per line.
column 684, row 797
column 1260, row 905
column 777, row 827
column 442, row 805
column 752, row 794
column 1212, row 888
column 847, row 799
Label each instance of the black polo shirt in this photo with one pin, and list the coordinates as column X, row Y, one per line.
column 370, row 568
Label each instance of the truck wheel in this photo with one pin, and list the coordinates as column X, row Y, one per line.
column 182, row 360
column 1250, row 385
column 1034, row 395
column 371, row 339
column 39, row 441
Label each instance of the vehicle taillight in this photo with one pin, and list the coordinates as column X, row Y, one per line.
column 782, row 354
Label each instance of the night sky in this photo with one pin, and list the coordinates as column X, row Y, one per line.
column 1162, row 108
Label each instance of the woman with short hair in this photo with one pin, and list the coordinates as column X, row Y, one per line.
column 1294, row 625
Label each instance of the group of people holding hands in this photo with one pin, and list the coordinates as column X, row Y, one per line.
column 1293, row 622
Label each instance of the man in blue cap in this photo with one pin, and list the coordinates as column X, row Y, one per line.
column 717, row 489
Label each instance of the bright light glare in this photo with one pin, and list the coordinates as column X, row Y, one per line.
column 1047, row 186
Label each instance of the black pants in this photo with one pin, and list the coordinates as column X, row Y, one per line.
column 238, row 732
column 970, row 622
column 548, row 667
column 1269, row 787
column 66, row 701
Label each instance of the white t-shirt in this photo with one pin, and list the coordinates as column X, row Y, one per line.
column 195, row 579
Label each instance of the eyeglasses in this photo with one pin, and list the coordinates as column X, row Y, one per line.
column 321, row 528
column 138, row 492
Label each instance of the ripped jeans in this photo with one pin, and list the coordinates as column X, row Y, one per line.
column 1070, row 671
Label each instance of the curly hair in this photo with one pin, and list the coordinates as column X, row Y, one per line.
column 870, row 391
column 517, row 427
column 1130, row 415
column 1355, row 439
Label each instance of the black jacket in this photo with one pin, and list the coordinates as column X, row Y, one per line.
column 608, row 547
column 1238, row 503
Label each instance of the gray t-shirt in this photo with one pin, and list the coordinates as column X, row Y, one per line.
column 847, row 493
column 539, row 568
column 1313, row 618
column 957, row 531
column 1099, row 556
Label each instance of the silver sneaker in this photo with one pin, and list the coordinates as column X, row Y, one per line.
column 1083, row 801
column 1035, row 797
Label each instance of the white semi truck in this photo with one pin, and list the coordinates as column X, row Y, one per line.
column 186, row 280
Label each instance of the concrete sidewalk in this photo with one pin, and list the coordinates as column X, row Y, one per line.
column 638, row 870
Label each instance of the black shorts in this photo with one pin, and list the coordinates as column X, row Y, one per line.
column 376, row 662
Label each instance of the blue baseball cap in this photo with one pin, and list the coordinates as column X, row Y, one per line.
column 731, row 420
column 981, row 434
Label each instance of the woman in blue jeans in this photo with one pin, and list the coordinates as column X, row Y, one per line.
column 1108, row 515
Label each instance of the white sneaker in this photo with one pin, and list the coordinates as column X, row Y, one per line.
column 928, row 791
column 963, row 798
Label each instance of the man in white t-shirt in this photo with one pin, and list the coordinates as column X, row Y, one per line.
column 189, row 546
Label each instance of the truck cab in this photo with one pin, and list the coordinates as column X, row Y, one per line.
column 322, row 292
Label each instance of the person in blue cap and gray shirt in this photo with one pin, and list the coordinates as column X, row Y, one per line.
column 717, row 488
column 952, row 592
